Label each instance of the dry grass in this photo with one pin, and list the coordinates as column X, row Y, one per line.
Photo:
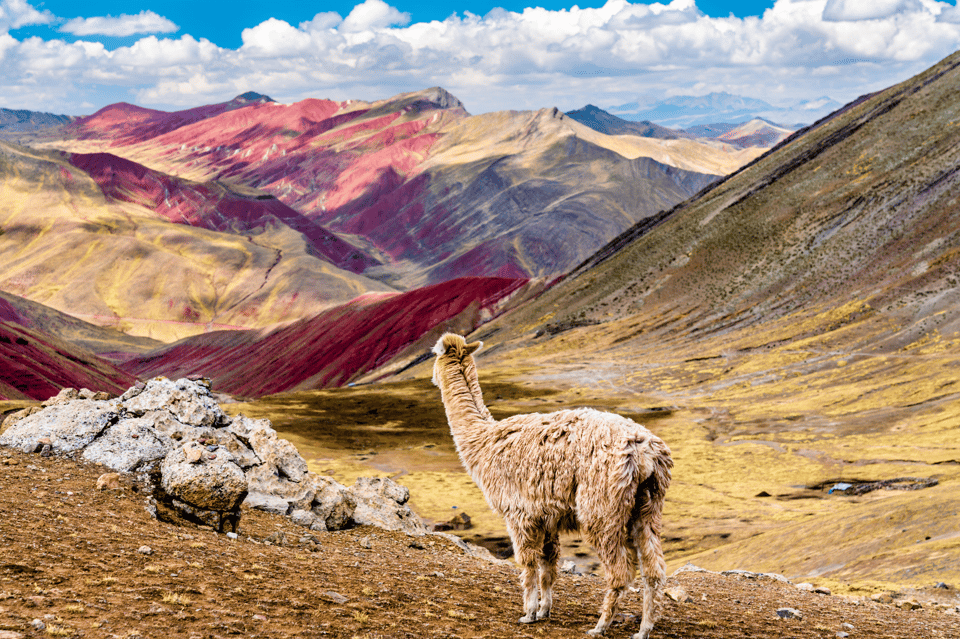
column 459, row 614
column 176, row 598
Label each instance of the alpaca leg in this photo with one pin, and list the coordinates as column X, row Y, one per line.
column 654, row 573
column 611, row 602
column 526, row 549
column 619, row 559
column 548, row 573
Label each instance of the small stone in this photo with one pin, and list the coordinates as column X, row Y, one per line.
column 233, row 535
column 46, row 451
column 192, row 453
column 882, row 597
column 10, row 634
column 909, row 604
column 942, row 586
column 212, row 448
column 842, row 635
column 822, row 590
column 145, row 550
column 789, row 613
column 260, row 617
column 336, row 597
column 365, row 542
column 108, row 481
column 805, row 587
column 569, row 567
column 278, row 538
column 678, row 594
column 38, row 625
column 847, row 626
column 211, row 456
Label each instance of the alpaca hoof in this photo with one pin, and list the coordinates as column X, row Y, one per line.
column 543, row 614
column 593, row 632
column 528, row 618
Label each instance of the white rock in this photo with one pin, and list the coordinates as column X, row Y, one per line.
column 70, row 426
column 789, row 613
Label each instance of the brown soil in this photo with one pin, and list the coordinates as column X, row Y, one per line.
column 72, row 558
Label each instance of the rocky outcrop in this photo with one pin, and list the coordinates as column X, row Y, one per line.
column 200, row 463
column 381, row 502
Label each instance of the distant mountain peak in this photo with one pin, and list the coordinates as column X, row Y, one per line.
column 442, row 98
column 605, row 122
column 253, row 96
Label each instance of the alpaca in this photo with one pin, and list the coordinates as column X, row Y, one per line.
column 582, row 469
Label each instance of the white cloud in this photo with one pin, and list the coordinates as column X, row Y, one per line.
column 612, row 54
column 275, row 38
column 373, row 14
column 853, row 10
column 18, row 13
column 121, row 26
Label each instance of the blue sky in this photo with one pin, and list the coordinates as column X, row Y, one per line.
column 68, row 57
column 222, row 25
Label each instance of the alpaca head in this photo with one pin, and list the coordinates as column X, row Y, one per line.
column 449, row 347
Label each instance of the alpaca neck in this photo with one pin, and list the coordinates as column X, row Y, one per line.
column 466, row 413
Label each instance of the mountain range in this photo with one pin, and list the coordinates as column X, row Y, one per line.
column 689, row 111
column 250, row 222
column 754, row 133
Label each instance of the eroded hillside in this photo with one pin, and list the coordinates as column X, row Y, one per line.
column 427, row 191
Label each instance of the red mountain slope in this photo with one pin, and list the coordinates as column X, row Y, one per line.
column 123, row 120
column 36, row 365
column 334, row 347
column 210, row 205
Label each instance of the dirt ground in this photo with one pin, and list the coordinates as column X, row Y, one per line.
column 75, row 561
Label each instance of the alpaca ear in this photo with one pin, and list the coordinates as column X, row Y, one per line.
column 470, row 349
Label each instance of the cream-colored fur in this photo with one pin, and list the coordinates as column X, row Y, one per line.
column 583, row 469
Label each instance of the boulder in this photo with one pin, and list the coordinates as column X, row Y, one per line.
column 69, row 426
column 382, row 502
column 216, row 482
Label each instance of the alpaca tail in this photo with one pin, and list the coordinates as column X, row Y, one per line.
column 647, row 525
